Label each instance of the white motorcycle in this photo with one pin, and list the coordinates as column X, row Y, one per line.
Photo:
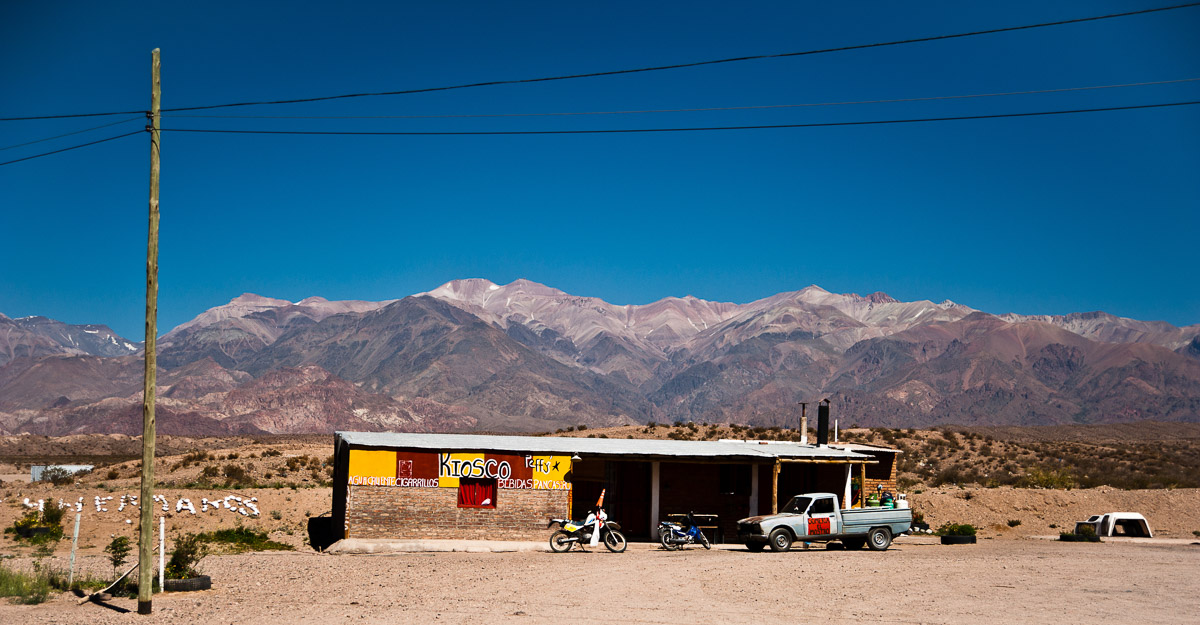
column 580, row 532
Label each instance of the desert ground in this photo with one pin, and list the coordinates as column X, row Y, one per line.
column 917, row 581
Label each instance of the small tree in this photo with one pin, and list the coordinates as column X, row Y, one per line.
column 189, row 550
column 117, row 551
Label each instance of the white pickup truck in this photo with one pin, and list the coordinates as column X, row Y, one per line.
column 817, row 517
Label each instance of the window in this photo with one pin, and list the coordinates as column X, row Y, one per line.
column 821, row 506
column 476, row 492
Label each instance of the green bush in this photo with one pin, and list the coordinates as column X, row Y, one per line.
column 38, row 530
column 59, row 476
column 190, row 549
column 242, row 539
column 1086, row 533
column 952, row 529
column 26, row 588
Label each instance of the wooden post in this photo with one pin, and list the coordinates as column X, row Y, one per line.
column 862, row 488
column 146, row 525
column 775, row 487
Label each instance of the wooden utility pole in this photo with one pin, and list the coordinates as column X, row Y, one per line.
column 146, row 500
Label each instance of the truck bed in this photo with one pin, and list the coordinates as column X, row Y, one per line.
column 860, row 520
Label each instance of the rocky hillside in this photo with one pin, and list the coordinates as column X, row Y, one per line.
column 526, row 357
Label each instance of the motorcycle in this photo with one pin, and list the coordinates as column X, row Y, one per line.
column 580, row 533
column 675, row 535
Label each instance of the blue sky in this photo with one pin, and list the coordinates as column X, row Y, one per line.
column 1053, row 214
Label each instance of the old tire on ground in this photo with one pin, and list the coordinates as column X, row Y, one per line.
column 201, row 582
column 854, row 543
column 756, row 547
column 958, row 540
column 615, row 541
column 780, row 540
column 560, row 541
column 879, row 539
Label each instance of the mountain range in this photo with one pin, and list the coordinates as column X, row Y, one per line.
column 474, row 355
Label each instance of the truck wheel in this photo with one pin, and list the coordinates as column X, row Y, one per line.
column 853, row 543
column 780, row 540
column 879, row 539
column 755, row 547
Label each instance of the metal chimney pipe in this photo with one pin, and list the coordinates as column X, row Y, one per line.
column 823, row 423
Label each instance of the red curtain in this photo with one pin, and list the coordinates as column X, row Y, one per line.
column 476, row 493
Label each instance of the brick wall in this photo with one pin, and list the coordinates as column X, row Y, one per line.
column 881, row 474
column 419, row 513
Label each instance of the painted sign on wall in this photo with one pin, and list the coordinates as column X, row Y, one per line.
column 431, row 469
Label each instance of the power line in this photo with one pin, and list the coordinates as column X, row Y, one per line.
column 68, row 134
column 690, row 129
column 688, row 110
column 638, row 70
column 74, row 147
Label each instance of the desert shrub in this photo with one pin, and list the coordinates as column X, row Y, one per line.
column 581, row 427
column 189, row 551
column 112, row 474
column 952, row 529
column 211, row 470
column 1048, row 478
column 23, row 587
column 38, row 529
column 1014, row 522
column 58, row 476
column 1086, row 534
column 652, row 425
column 272, row 452
column 235, row 475
column 242, row 539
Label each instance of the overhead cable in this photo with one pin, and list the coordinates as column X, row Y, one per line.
column 641, row 69
column 689, row 129
column 688, row 110
column 77, row 132
column 74, row 147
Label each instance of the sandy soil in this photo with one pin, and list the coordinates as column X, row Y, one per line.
column 996, row 581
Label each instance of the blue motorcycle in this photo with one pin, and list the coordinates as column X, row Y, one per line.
column 675, row 535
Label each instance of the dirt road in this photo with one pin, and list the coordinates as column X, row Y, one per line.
column 917, row 581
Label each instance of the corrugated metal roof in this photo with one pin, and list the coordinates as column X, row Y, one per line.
column 598, row 446
column 862, row 447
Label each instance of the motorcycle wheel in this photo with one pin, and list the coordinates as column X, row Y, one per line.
column 704, row 541
column 665, row 539
column 560, row 541
column 615, row 541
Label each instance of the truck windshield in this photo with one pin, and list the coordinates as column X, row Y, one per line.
column 797, row 505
